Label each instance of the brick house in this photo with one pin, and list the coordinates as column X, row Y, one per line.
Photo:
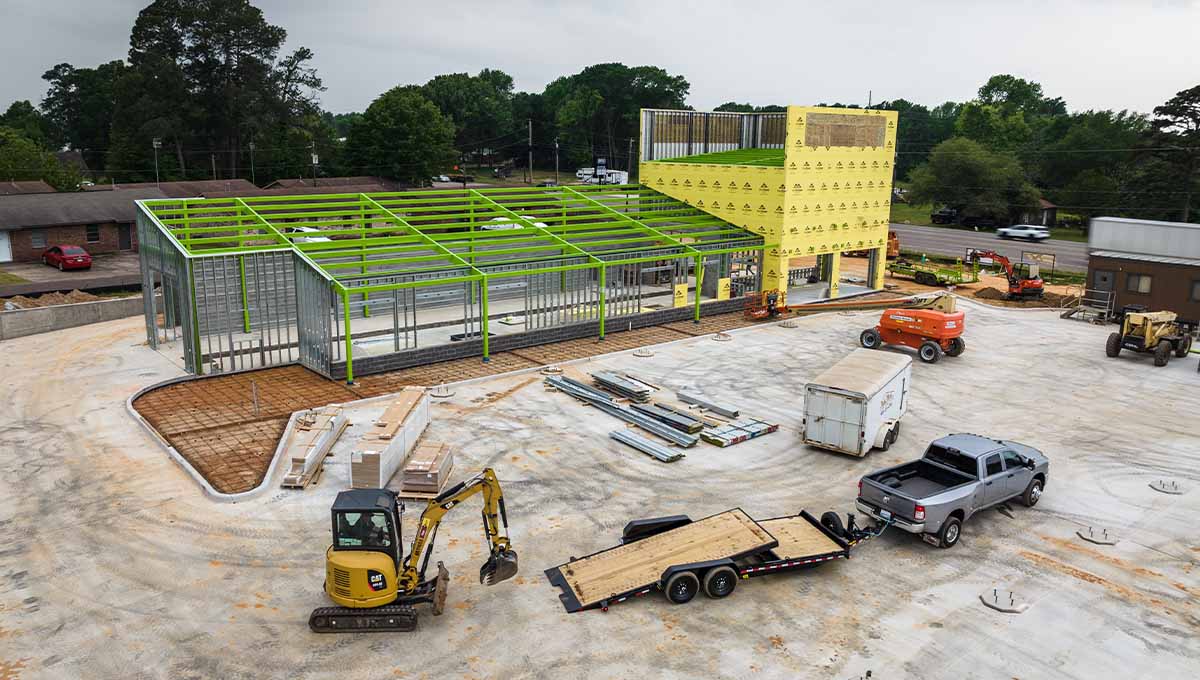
column 100, row 221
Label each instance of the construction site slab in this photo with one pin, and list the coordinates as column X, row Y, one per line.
column 114, row 564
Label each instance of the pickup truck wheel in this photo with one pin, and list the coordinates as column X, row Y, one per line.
column 1184, row 346
column 720, row 582
column 957, row 347
column 929, row 352
column 950, row 533
column 682, row 587
column 1112, row 347
column 1162, row 353
column 869, row 338
column 1033, row 492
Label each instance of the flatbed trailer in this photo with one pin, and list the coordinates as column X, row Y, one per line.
column 682, row 557
column 933, row 274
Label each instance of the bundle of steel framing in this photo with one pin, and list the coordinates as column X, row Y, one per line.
column 679, row 421
column 609, row 405
column 637, row 441
column 737, row 431
column 634, row 390
column 704, row 403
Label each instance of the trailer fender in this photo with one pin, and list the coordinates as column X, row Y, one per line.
column 884, row 428
column 645, row 528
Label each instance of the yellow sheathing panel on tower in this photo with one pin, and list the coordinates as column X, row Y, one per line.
column 750, row 197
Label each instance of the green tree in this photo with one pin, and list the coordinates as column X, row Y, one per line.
column 80, row 107
column 402, row 136
column 602, row 104
column 1176, row 138
column 480, row 106
column 27, row 121
column 976, row 181
column 208, row 74
column 22, row 159
column 747, row 108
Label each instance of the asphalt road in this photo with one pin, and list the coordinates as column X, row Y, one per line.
column 1069, row 255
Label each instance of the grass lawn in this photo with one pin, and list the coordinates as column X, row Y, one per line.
column 6, row 278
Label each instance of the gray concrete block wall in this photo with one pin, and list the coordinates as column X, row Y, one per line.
column 19, row 323
column 504, row 343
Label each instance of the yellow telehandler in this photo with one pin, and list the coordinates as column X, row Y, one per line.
column 1151, row 332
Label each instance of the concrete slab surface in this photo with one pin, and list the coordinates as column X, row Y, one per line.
column 114, row 565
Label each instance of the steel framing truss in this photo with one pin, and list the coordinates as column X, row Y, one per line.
column 352, row 252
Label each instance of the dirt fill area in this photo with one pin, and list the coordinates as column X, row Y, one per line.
column 996, row 296
column 48, row 300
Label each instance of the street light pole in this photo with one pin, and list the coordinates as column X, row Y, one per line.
column 157, row 143
column 314, row 161
column 530, row 120
column 556, row 160
column 253, row 179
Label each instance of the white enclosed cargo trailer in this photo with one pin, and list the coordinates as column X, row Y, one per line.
column 858, row 402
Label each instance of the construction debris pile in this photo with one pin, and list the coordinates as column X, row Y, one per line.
column 677, row 424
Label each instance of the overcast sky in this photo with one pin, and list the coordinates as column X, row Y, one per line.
column 1112, row 54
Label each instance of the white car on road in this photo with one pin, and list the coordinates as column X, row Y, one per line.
column 1031, row 232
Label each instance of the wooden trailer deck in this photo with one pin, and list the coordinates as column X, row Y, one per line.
column 617, row 571
column 798, row 538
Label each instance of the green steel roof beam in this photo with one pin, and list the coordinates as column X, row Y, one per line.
column 321, row 272
column 649, row 229
column 567, row 246
column 437, row 246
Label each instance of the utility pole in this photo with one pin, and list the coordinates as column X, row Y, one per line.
column 556, row 161
column 869, row 93
column 253, row 179
column 157, row 144
column 213, row 157
column 629, row 158
column 530, row 121
column 314, row 161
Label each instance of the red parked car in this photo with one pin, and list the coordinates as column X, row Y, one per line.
column 67, row 257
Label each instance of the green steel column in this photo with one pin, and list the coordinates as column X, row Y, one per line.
column 603, row 297
column 365, row 296
column 483, row 325
column 699, row 283
column 471, row 259
column 245, row 298
column 349, row 348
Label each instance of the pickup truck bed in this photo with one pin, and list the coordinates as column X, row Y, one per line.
column 731, row 538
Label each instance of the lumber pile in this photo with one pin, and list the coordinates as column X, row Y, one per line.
column 314, row 432
column 427, row 470
column 384, row 448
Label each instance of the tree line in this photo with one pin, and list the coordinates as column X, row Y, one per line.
column 206, row 92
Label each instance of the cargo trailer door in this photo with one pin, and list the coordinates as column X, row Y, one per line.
column 834, row 419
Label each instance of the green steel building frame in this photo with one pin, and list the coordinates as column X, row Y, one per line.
column 355, row 245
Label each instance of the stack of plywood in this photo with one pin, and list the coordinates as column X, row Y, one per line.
column 385, row 447
column 427, row 470
column 313, row 434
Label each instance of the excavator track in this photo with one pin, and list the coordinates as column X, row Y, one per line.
column 387, row 619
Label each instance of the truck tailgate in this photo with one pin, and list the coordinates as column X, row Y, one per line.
column 887, row 498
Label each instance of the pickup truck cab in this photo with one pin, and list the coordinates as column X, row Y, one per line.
column 958, row 476
column 1031, row 232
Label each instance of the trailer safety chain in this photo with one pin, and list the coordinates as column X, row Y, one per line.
column 868, row 535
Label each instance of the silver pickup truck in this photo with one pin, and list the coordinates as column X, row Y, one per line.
column 958, row 476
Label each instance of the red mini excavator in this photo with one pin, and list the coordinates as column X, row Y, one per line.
column 1022, row 283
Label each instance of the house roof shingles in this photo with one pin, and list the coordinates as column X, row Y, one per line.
column 77, row 207
column 184, row 189
column 30, row 187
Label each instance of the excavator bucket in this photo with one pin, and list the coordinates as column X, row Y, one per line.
column 501, row 566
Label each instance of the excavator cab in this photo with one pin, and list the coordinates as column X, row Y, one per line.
column 362, row 564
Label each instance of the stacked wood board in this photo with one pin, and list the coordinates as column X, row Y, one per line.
column 313, row 434
column 427, row 470
column 384, row 448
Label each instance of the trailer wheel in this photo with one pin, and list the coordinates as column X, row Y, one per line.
column 929, row 352
column 870, row 338
column 888, row 440
column 957, row 347
column 1184, row 346
column 682, row 587
column 1162, row 353
column 950, row 533
column 720, row 582
column 830, row 520
column 1112, row 347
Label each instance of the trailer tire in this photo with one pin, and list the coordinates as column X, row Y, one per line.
column 888, row 439
column 950, row 533
column 682, row 587
column 720, row 582
column 1112, row 347
column 830, row 520
column 1184, row 346
column 929, row 352
column 1162, row 353
column 870, row 339
column 957, row 347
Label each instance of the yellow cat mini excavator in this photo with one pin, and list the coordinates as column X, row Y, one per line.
column 367, row 574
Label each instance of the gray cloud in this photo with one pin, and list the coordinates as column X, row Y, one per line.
column 1093, row 54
